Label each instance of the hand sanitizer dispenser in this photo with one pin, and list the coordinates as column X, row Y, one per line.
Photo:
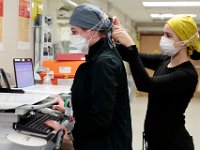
column 48, row 77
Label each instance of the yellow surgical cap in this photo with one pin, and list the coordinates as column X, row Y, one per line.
column 186, row 28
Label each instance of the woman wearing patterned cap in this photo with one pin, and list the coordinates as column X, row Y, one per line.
column 172, row 85
column 100, row 97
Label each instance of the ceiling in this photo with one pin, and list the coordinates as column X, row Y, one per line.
column 141, row 16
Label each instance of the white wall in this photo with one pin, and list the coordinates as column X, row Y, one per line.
column 10, row 36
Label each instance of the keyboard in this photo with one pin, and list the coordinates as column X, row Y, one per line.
column 34, row 124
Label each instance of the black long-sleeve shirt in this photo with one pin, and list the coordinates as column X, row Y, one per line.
column 169, row 90
column 100, row 102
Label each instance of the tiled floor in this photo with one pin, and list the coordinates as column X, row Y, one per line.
column 138, row 106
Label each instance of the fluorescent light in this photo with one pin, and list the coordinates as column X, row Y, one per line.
column 72, row 3
column 172, row 4
column 165, row 16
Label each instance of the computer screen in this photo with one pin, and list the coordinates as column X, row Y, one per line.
column 24, row 74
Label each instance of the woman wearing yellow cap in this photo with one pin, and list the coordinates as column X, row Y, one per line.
column 172, row 85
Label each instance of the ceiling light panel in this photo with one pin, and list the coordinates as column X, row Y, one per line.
column 164, row 16
column 172, row 4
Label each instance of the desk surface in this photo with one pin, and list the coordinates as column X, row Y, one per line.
column 12, row 100
column 47, row 89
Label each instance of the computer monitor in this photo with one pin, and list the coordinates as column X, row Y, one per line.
column 24, row 74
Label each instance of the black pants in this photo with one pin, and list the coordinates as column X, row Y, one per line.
column 176, row 140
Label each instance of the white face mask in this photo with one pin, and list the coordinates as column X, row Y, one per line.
column 167, row 47
column 79, row 42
